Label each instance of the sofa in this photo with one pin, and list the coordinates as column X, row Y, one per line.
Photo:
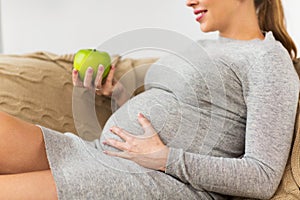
column 37, row 87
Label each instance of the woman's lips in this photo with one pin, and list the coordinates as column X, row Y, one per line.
column 200, row 14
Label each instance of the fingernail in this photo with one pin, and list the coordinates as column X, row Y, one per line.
column 90, row 69
column 112, row 67
column 110, row 129
column 75, row 71
column 101, row 68
column 141, row 115
column 104, row 152
column 104, row 142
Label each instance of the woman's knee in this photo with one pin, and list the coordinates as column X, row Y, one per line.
column 6, row 121
column 3, row 116
column 10, row 123
column 32, row 185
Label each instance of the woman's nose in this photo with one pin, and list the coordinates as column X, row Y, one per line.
column 191, row 3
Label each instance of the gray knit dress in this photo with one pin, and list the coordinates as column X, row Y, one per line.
column 227, row 116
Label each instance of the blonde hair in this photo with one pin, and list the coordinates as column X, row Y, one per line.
column 271, row 18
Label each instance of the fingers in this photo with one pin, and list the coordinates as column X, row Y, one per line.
column 146, row 125
column 122, row 154
column 75, row 78
column 117, row 144
column 123, row 146
column 110, row 76
column 121, row 133
column 98, row 80
column 88, row 78
column 105, row 89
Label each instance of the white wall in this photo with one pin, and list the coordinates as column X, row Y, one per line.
column 292, row 16
column 64, row 26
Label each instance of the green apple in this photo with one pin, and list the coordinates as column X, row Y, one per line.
column 85, row 58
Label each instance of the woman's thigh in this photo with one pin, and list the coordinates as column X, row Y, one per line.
column 31, row 185
column 22, row 147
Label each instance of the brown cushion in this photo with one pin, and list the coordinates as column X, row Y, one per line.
column 297, row 66
column 36, row 88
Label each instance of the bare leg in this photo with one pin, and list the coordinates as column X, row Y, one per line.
column 32, row 185
column 22, row 147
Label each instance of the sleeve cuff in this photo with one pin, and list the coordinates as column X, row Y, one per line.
column 173, row 161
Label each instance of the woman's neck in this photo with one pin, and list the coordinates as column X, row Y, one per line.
column 244, row 35
column 244, row 26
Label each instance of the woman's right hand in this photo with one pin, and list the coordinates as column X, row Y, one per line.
column 105, row 89
column 110, row 88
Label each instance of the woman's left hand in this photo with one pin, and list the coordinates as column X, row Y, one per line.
column 146, row 150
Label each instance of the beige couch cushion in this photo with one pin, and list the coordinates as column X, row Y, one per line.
column 36, row 87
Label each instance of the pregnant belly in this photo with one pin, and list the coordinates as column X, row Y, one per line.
column 178, row 124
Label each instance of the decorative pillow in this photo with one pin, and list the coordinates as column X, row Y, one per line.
column 37, row 88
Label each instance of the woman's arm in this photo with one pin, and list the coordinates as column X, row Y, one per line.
column 271, row 90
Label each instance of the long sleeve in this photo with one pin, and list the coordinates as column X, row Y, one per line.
column 270, row 88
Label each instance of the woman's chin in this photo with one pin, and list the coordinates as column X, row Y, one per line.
column 205, row 29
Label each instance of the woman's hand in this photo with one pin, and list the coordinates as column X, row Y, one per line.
column 147, row 150
column 110, row 88
column 106, row 89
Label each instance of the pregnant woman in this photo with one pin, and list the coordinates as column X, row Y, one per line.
column 183, row 138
